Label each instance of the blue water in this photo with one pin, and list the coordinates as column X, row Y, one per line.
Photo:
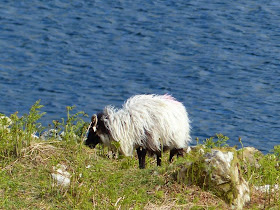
column 220, row 58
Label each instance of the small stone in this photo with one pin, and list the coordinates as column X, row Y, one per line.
column 61, row 176
column 267, row 188
column 50, row 134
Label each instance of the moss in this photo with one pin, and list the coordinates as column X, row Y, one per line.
column 195, row 172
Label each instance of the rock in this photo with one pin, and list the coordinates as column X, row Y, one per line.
column 61, row 176
column 50, row 134
column 267, row 188
column 198, row 149
column 250, row 156
column 218, row 171
column 62, row 135
column 34, row 136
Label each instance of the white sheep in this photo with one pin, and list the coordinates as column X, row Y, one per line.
column 146, row 123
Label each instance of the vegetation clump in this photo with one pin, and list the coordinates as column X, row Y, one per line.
column 96, row 181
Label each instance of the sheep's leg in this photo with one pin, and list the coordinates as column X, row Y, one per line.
column 144, row 152
column 158, row 158
column 172, row 153
column 141, row 152
column 179, row 152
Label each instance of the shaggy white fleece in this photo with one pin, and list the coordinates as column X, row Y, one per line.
column 149, row 121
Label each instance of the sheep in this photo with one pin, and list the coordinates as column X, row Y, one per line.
column 147, row 123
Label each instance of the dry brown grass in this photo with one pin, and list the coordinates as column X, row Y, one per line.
column 194, row 196
column 40, row 153
column 262, row 200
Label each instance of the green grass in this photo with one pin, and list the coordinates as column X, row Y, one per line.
column 97, row 182
column 26, row 181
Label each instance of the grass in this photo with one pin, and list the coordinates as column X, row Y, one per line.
column 99, row 182
column 96, row 181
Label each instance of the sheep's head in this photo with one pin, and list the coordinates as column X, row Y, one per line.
column 93, row 139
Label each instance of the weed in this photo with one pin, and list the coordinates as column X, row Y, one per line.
column 221, row 141
column 19, row 133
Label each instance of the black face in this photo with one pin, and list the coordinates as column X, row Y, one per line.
column 93, row 139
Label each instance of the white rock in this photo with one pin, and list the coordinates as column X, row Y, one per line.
column 188, row 150
column 61, row 180
column 50, row 134
column 34, row 136
column 61, row 176
column 267, row 188
column 196, row 148
column 62, row 134
column 218, row 171
column 216, row 157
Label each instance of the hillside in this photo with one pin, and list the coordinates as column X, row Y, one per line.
column 97, row 180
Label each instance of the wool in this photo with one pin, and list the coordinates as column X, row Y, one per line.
column 148, row 121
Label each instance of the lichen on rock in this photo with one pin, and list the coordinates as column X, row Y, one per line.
column 218, row 171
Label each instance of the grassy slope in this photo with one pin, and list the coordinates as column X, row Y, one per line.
column 26, row 167
column 26, row 182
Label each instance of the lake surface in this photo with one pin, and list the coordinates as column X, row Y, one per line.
column 220, row 58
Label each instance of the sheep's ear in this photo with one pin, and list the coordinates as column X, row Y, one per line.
column 94, row 121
